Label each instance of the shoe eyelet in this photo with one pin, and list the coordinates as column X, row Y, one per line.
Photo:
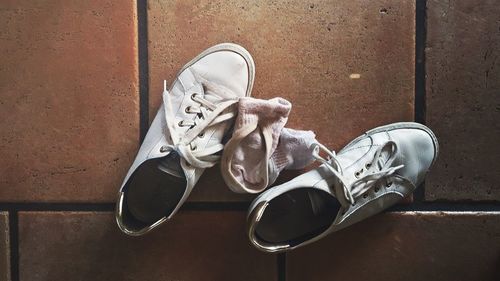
column 201, row 135
column 163, row 149
column 193, row 96
column 180, row 124
column 389, row 184
column 193, row 147
column 357, row 174
column 188, row 109
column 365, row 195
column 376, row 189
column 368, row 165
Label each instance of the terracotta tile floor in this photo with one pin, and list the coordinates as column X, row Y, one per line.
column 80, row 81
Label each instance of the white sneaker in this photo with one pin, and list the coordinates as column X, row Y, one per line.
column 370, row 174
column 185, row 136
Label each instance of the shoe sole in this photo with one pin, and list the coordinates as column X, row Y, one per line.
column 400, row 125
column 226, row 47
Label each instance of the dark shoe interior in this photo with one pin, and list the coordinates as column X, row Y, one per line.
column 151, row 194
column 297, row 216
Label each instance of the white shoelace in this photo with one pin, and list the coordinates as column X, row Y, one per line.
column 376, row 170
column 208, row 114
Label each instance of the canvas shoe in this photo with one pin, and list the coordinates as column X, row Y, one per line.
column 185, row 137
column 370, row 174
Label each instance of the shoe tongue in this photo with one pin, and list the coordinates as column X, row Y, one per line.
column 385, row 154
column 171, row 164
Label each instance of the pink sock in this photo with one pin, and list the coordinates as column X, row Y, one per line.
column 260, row 147
column 294, row 152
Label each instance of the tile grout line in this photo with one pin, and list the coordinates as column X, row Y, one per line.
column 39, row 206
column 420, row 40
column 442, row 206
column 143, row 65
column 14, row 244
column 281, row 264
column 243, row 206
column 420, row 94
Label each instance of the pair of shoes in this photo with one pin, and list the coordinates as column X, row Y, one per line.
column 188, row 134
column 185, row 137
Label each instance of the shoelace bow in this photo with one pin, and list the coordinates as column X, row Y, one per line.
column 208, row 114
column 376, row 170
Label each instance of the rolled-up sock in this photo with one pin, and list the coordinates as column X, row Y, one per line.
column 260, row 148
